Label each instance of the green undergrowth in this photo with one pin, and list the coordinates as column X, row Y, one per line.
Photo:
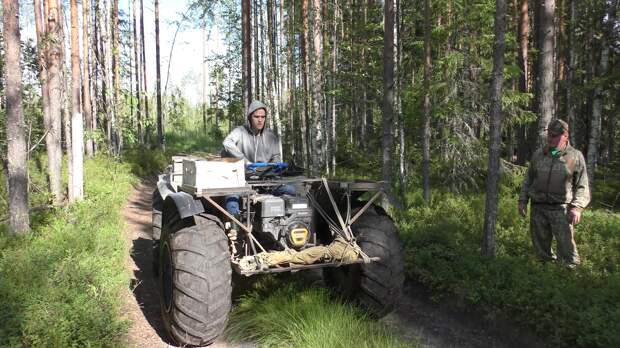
column 62, row 285
column 564, row 307
column 278, row 313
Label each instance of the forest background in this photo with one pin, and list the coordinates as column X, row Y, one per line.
column 444, row 100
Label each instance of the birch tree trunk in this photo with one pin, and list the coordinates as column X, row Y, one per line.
column 17, row 151
column 66, row 114
column 77, row 127
column 495, row 132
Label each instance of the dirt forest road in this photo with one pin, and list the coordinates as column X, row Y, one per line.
column 417, row 319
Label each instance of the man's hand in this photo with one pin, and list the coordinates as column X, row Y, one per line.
column 574, row 216
column 522, row 209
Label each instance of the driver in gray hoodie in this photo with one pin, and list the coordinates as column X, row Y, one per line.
column 252, row 142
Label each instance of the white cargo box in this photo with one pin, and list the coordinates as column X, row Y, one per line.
column 213, row 173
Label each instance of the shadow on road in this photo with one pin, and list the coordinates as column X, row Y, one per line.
column 145, row 288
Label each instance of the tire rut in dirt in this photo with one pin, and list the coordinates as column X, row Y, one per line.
column 195, row 279
column 376, row 286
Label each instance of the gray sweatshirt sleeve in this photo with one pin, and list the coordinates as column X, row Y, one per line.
column 231, row 144
column 275, row 151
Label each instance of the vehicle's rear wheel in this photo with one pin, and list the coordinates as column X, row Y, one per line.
column 195, row 279
column 375, row 286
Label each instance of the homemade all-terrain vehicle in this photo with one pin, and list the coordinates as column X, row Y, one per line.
column 312, row 223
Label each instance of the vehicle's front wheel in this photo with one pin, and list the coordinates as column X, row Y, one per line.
column 195, row 277
column 376, row 286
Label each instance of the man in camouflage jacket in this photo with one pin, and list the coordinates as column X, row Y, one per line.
column 557, row 186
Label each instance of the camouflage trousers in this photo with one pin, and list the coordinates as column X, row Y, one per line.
column 548, row 221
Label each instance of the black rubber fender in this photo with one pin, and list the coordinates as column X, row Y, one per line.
column 184, row 203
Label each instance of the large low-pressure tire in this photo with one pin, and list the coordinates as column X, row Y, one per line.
column 157, row 207
column 375, row 286
column 195, row 279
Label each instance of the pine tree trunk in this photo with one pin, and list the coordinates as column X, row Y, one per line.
column 138, row 86
column 51, row 141
column 546, row 83
column 523, row 149
column 305, row 82
column 116, row 127
column 387, row 140
column 54, row 65
column 87, row 106
column 205, row 78
column 246, row 28
column 145, row 90
column 597, row 105
column 255, row 41
column 572, row 65
column 104, row 65
column 17, row 151
column 160, row 120
column 426, row 123
column 77, row 127
column 317, row 90
column 96, row 71
column 495, row 132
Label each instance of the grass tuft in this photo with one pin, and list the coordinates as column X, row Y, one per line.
column 287, row 314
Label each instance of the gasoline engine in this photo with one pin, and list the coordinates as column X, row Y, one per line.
column 284, row 221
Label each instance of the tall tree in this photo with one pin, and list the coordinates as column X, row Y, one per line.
column 523, row 62
column 17, row 151
column 572, row 65
column 316, row 67
column 87, row 107
column 136, row 58
column 594, row 138
column 495, row 136
column 52, row 141
column 54, row 65
column 246, row 61
column 546, row 83
column 145, row 90
column 77, row 127
column 256, row 43
column 115, row 127
column 160, row 120
column 387, row 140
column 426, row 123
column 305, row 48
